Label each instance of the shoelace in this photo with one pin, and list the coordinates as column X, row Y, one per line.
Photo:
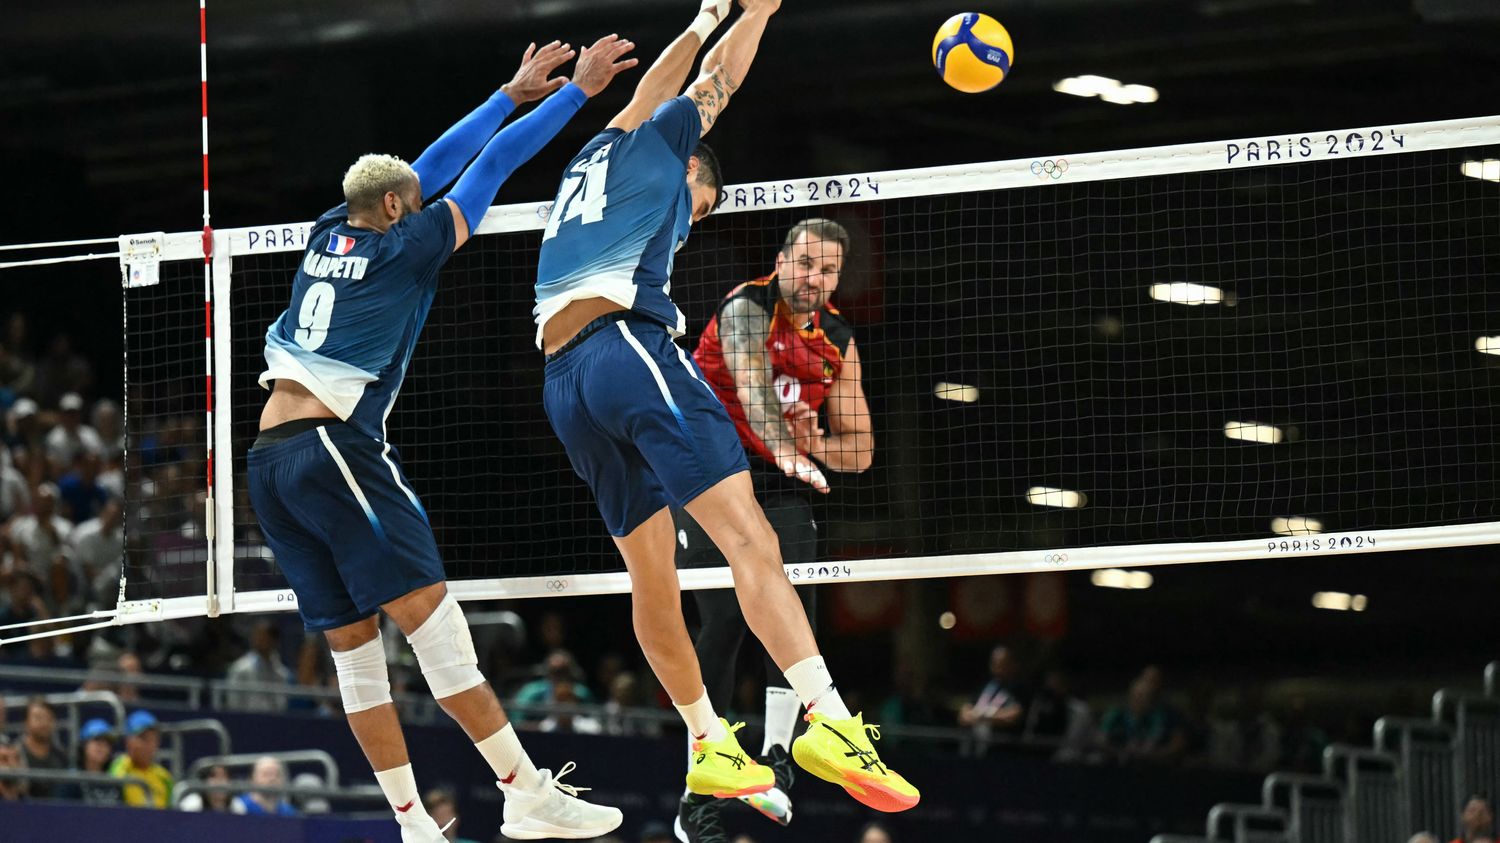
column 705, row 818
column 873, row 730
column 569, row 789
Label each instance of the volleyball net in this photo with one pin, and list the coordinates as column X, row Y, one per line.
column 1237, row 350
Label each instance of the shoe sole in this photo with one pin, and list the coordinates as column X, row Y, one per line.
column 768, row 812
column 733, row 794
column 546, row 831
column 869, row 791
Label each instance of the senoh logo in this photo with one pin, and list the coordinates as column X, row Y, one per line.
column 1055, row 558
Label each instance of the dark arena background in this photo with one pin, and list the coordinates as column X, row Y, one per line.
column 1181, row 348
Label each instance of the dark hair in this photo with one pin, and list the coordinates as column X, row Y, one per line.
column 441, row 796
column 36, row 700
column 710, row 172
column 819, row 228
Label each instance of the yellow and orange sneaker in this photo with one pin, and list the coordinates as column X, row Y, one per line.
column 720, row 768
column 841, row 752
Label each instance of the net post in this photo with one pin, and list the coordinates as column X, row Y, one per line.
column 222, row 553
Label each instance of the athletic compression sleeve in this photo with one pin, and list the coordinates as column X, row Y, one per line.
column 511, row 148
column 445, row 159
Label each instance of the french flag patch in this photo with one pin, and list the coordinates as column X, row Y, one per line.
column 339, row 244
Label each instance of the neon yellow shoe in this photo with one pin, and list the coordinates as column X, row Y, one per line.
column 720, row 768
column 841, row 752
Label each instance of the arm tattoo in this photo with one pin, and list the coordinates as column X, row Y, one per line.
column 711, row 96
column 743, row 330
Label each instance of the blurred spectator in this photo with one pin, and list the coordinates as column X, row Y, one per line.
column 96, row 548
column 79, row 489
column 23, row 603
column 443, row 808
column 96, row 747
column 1478, row 820
column 106, row 421
column 656, row 832
column 127, row 663
column 743, row 838
column 1423, row 837
column 71, row 438
column 910, row 702
column 39, row 747
column 314, row 670
column 61, row 373
column 1001, row 704
column 142, row 741
column 1145, row 728
column 40, row 536
column 560, row 669
column 15, row 495
column 1057, row 714
column 213, row 801
column 565, row 692
column 876, row 833
column 16, row 372
column 309, row 805
column 625, row 694
column 267, row 772
column 1302, row 741
column 10, row 759
column 263, row 665
column 24, row 433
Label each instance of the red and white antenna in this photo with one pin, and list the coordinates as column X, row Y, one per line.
column 210, row 528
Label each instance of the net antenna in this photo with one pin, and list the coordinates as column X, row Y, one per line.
column 943, row 229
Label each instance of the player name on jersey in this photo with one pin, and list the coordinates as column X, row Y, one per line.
column 332, row 266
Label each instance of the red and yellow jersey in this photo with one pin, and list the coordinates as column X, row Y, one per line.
column 805, row 359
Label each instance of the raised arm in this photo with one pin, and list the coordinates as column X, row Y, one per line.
column 850, row 443
column 441, row 162
column 744, row 327
column 725, row 66
column 670, row 70
column 516, row 143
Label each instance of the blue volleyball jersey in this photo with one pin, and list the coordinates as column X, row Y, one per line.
column 623, row 211
column 359, row 300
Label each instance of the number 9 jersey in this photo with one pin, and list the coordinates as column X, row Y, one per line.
column 359, row 300
column 623, row 211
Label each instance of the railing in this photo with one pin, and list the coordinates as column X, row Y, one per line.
column 191, row 689
column 226, row 694
column 303, row 756
column 71, row 703
column 73, row 777
column 174, row 733
column 352, row 793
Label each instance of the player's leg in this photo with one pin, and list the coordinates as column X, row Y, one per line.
column 288, row 469
column 402, row 573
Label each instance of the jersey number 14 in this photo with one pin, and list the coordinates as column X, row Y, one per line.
column 582, row 195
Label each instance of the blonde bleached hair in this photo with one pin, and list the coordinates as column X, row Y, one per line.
column 373, row 176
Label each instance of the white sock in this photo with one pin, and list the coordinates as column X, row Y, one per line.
column 400, row 789
column 510, row 762
column 701, row 720
column 782, row 706
column 810, row 679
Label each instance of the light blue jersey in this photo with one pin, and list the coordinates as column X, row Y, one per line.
column 359, row 300
column 623, row 211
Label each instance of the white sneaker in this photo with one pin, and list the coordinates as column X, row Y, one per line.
column 422, row 829
column 774, row 804
column 554, row 811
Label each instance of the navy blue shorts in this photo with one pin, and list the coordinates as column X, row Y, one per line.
column 346, row 528
column 639, row 424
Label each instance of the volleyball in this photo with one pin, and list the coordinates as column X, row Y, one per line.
column 972, row 52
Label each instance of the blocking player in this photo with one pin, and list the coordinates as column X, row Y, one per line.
column 646, row 433
column 776, row 354
column 335, row 507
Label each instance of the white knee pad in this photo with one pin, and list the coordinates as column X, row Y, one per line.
column 445, row 650
column 363, row 680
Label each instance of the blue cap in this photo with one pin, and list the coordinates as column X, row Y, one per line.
column 139, row 721
column 95, row 728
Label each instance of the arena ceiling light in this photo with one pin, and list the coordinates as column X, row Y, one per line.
column 1338, row 601
column 1119, row 578
column 1488, row 169
column 1487, row 345
column 1107, row 89
column 1183, row 292
column 1261, row 434
column 1061, row 498
column 1296, row 525
column 956, row 392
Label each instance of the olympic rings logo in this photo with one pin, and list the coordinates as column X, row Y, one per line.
column 1049, row 169
column 556, row 586
column 544, row 211
column 1055, row 558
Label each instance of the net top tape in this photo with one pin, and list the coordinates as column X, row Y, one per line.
column 1272, row 150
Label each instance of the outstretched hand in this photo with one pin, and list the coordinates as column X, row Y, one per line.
column 598, row 64
column 531, row 82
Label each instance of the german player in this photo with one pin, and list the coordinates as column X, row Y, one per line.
column 644, row 430
column 336, row 508
column 776, row 353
